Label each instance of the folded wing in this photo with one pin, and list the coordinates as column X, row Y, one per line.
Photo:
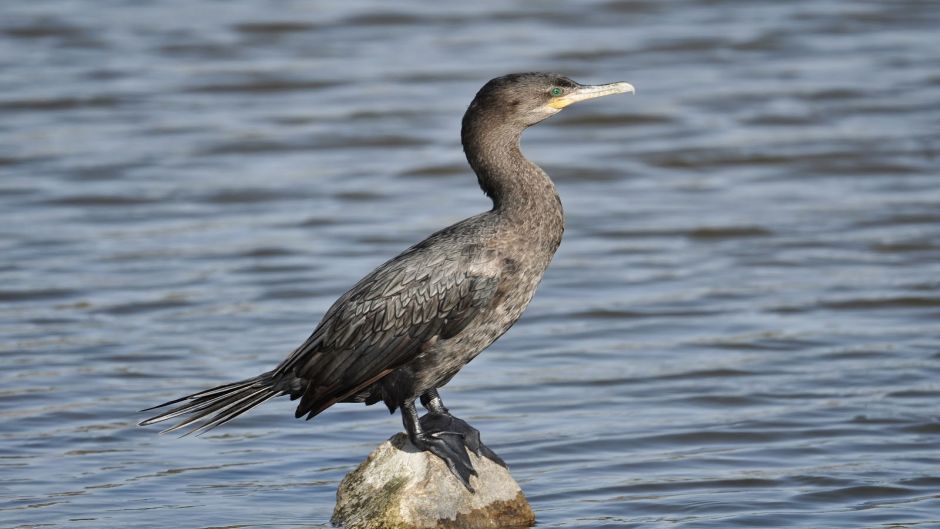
column 384, row 321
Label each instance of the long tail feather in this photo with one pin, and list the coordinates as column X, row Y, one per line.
column 216, row 406
column 234, row 411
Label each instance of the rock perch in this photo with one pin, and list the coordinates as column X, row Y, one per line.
column 401, row 487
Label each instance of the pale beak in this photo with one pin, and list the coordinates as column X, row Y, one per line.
column 590, row 92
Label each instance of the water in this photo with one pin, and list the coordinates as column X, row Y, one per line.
column 740, row 329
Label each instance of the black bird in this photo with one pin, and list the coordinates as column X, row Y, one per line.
column 405, row 329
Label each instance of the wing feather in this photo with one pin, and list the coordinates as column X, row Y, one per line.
column 386, row 318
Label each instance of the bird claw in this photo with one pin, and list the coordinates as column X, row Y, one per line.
column 449, row 446
column 433, row 423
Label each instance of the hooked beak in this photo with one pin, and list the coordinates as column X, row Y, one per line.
column 590, row 92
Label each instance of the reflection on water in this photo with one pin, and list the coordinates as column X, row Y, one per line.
column 740, row 329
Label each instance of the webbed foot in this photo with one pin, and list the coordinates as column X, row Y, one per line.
column 445, row 436
column 449, row 446
column 459, row 432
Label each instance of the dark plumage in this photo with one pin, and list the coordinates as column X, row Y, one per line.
column 407, row 328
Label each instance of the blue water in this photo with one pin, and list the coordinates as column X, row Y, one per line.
column 741, row 328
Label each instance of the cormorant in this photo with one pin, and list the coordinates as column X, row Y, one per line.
column 405, row 329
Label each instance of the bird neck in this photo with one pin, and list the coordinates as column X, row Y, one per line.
column 518, row 188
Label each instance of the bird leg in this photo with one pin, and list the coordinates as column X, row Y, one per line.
column 439, row 420
column 432, row 402
column 445, row 444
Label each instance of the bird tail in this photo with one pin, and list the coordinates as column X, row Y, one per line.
column 217, row 406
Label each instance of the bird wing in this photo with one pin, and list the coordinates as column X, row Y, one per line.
column 386, row 318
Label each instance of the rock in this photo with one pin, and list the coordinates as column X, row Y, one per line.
column 399, row 487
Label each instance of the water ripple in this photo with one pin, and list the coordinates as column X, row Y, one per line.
column 739, row 329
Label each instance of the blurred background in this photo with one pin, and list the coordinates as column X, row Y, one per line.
column 741, row 328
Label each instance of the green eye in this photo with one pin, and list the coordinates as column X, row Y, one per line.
column 556, row 91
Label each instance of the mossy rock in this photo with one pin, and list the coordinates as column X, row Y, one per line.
column 400, row 487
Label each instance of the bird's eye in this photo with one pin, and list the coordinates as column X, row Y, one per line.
column 555, row 91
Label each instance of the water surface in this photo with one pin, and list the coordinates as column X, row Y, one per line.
column 741, row 329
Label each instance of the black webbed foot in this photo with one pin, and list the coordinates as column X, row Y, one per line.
column 445, row 436
column 448, row 446
column 468, row 436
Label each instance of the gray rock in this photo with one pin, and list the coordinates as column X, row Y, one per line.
column 399, row 487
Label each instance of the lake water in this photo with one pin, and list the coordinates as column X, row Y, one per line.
column 741, row 328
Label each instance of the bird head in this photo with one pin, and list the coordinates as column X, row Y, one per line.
column 524, row 99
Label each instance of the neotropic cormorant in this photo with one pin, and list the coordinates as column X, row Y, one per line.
column 405, row 329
